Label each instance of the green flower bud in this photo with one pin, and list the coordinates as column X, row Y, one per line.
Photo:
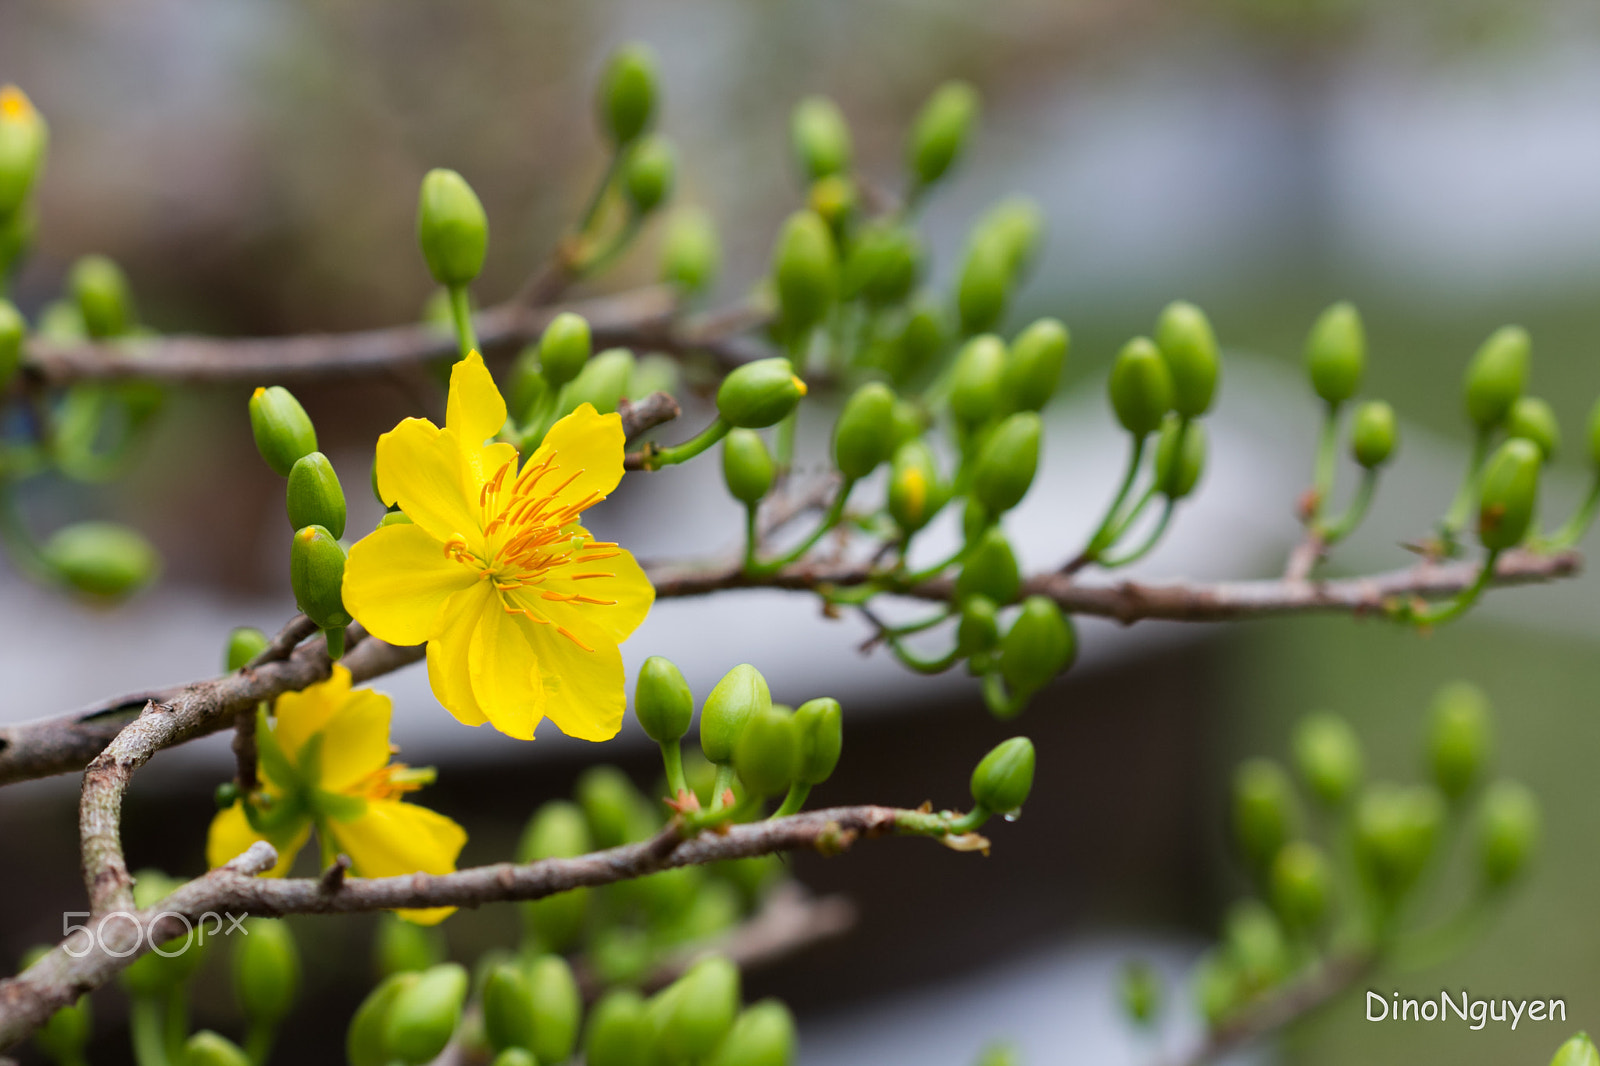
column 266, row 971
column 763, row 1035
column 602, row 383
column 1264, row 812
column 13, row 328
column 100, row 290
column 1533, row 419
column 941, row 131
column 1034, row 365
column 619, row 1032
column 805, row 269
column 525, row 389
column 159, row 974
column 760, row 393
column 1217, row 987
column 17, row 232
column 282, row 429
column 691, row 254
column 23, row 139
column 820, row 725
column 1300, row 883
column 985, row 283
column 864, row 435
column 226, row 795
column 610, row 804
column 834, row 199
column 1327, row 755
column 1373, row 434
column 405, row 947
column 767, row 753
column 60, row 322
column 364, row 1041
column 316, row 573
column 244, row 644
column 452, row 228
column 206, row 1048
column 975, row 381
column 662, row 700
column 1458, row 738
column 883, row 264
column 1254, row 941
column 1139, row 991
column 314, row 497
column 747, row 466
column 1004, row 778
column 1007, row 463
column 916, row 492
column 1177, row 472
column 1395, row 832
column 1579, row 1050
column 1187, row 343
column 628, row 93
column 1497, row 375
column 65, row 1034
column 820, row 136
column 738, row 697
column 702, row 1011
column 990, row 570
column 1017, row 224
column 1508, row 832
column 920, row 340
column 1039, row 645
column 425, row 1014
column 101, row 559
column 979, row 628
column 508, row 1008
column 564, row 348
column 1508, row 494
column 557, row 830
column 515, row 1056
column 647, row 179
column 653, row 373
column 1141, row 387
column 1336, row 353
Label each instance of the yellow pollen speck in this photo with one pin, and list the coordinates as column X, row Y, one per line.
column 260, row 391
column 799, row 385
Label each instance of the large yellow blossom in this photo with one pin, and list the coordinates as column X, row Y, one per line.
column 325, row 764
column 521, row 608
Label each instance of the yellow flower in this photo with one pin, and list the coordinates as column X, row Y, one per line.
column 521, row 608
column 324, row 763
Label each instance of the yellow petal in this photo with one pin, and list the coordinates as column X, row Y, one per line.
column 583, row 690
column 585, row 449
column 506, row 673
column 397, row 580
column 421, row 467
column 475, row 410
column 299, row 715
column 355, row 742
column 618, row 583
column 391, row 839
column 231, row 836
column 448, row 671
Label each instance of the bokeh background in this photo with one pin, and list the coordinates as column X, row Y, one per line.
column 253, row 165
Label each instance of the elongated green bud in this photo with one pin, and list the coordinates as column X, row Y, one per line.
column 316, row 573
column 1034, row 365
column 863, row 437
column 1017, row 223
column 619, row 1032
column 662, row 700
column 1508, row 832
column 1508, row 494
column 805, row 271
column 602, row 383
column 282, row 429
column 13, row 328
column 820, row 724
column 1579, row 1050
column 1374, row 434
column 244, row 644
column 1188, row 344
column 1139, row 992
column 985, row 283
column 691, row 253
column 916, row 492
column 100, row 290
column 1497, row 375
column 23, row 140
column 557, row 830
column 103, row 560
column 1141, row 387
column 760, row 393
column 627, row 100
column 747, row 466
column 820, row 138
column 452, row 229
column 941, row 131
column 207, row 1048
column 611, row 805
column 702, row 1010
column 990, row 570
column 921, row 339
column 1178, row 469
column 564, row 348
column 1395, row 832
column 762, row 1035
column 1264, row 813
column 835, row 199
column 405, row 947
column 1004, row 777
column 364, row 1041
column 1459, row 739
column 1255, row 940
column 975, row 381
column 314, row 497
column 738, row 697
column 1300, row 884
column 1007, row 462
column 648, row 177
column 1533, row 419
column 266, row 971
column 767, row 754
column 1039, row 645
column 1328, row 757
column 979, row 628
column 508, row 1008
column 884, row 262
column 425, row 1014
column 1336, row 353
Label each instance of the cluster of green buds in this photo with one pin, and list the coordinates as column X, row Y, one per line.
column 1349, row 894
column 315, row 504
column 24, row 140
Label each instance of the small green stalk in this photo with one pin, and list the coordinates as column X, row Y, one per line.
column 1105, row 534
column 920, row 665
column 750, row 536
column 1002, row 703
column 334, row 635
column 176, row 1021
column 656, row 457
column 258, row 1041
column 461, row 314
column 1327, row 461
column 1455, row 608
column 147, row 1026
column 1455, row 519
column 794, row 801
column 928, row 573
column 1338, row 529
column 1569, row 534
column 597, row 198
column 830, row 521
column 942, row 823
column 1150, row 541
column 597, row 261
column 672, row 759
column 720, row 786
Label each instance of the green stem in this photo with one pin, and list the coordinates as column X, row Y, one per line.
column 591, row 210
column 1131, row 515
column 922, row 666
column 1327, row 459
column 1002, row 703
column 258, row 1041
column 928, row 573
column 619, row 243
column 720, row 785
column 656, row 457
column 1455, row 608
column 1578, row 524
column 461, row 314
column 1103, row 534
column 1455, row 519
column 1150, row 541
column 942, row 823
column 829, row 521
column 750, row 535
column 1431, row 946
column 794, row 801
column 672, row 759
column 147, row 1030
column 176, row 1021
column 1338, row 529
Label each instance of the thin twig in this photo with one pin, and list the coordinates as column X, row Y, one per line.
column 1280, row 1008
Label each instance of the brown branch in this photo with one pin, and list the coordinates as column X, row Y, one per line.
column 1280, row 1008
column 654, row 410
